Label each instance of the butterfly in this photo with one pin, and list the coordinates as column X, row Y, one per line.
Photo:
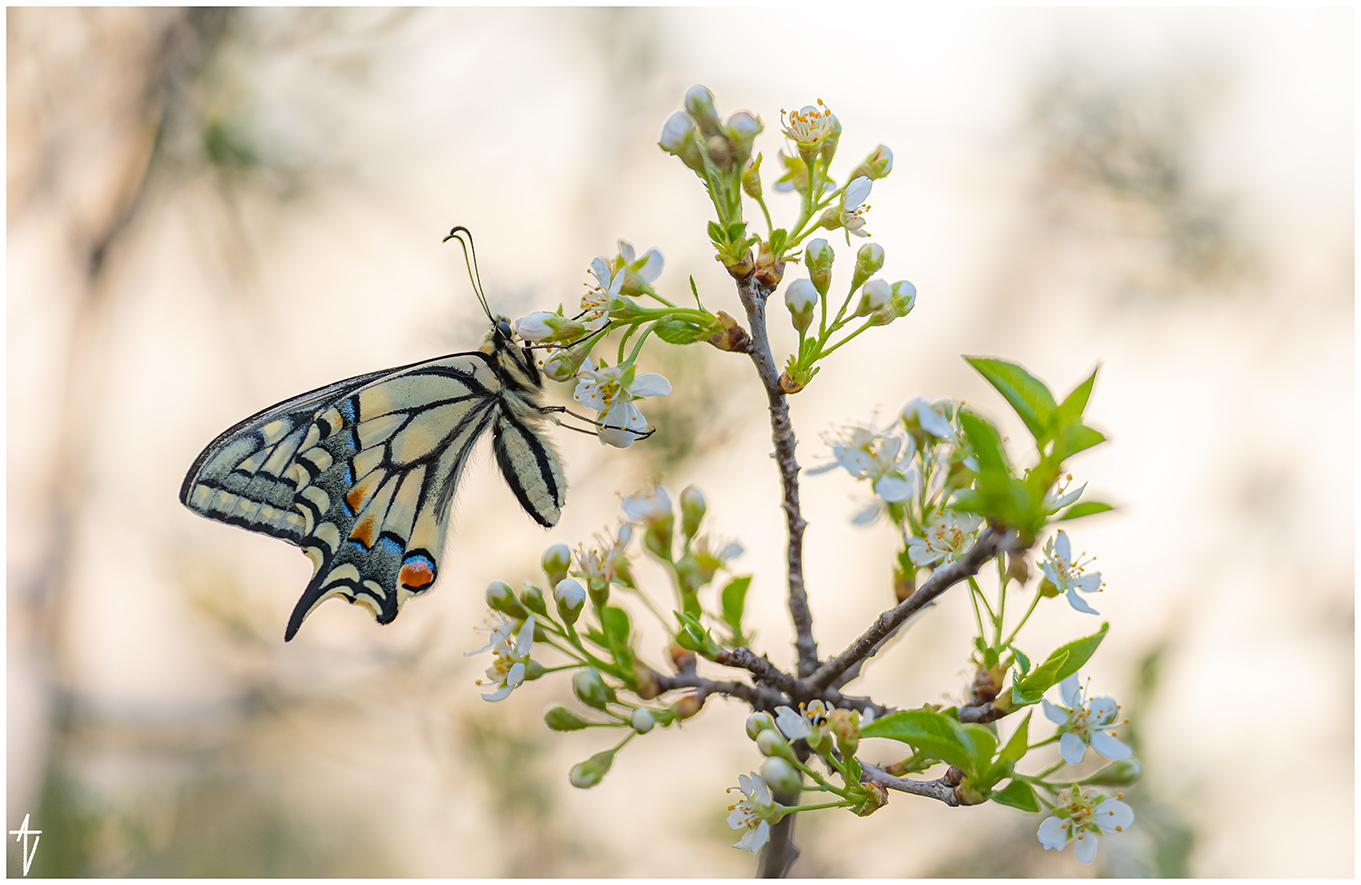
column 361, row 473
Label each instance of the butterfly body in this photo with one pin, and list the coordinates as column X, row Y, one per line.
column 361, row 474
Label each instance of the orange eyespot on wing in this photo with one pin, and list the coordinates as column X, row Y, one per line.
column 418, row 572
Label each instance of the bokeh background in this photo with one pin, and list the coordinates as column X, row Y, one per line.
column 209, row 211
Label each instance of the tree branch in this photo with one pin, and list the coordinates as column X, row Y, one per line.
column 944, row 789
column 988, row 545
column 760, row 667
column 754, row 297
column 759, row 698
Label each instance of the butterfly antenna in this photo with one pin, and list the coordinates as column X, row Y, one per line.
column 470, row 259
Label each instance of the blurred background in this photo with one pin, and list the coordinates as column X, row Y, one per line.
column 209, row 211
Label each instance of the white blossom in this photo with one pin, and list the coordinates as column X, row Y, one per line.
column 751, row 812
column 948, row 535
column 867, row 454
column 930, row 417
column 595, row 304
column 611, row 391
column 1080, row 818
column 1085, row 723
column 508, row 658
column 1068, row 574
column 810, row 126
column 854, row 207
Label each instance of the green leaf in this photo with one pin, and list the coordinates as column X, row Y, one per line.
column 1020, row 739
column 1079, row 652
column 1070, row 411
column 1076, row 438
column 778, row 238
column 695, row 291
column 1017, row 794
column 1021, row 660
column 1085, row 508
column 734, row 602
column 695, row 637
column 676, row 330
column 717, row 234
column 1027, row 394
column 615, row 621
column 1043, row 677
column 926, row 730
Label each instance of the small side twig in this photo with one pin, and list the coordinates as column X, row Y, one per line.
column 759, row 698
column 760, row 667
column 941, row 789
column 989, row 544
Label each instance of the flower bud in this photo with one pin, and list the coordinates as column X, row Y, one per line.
column 732, row 337
column 830, row 218
column 562, row 719
column 876, row 165
column 801, row 297
column 699, row 102
column 722, row 153
column 873, row 296
column 751, row 178
column 678, row 138
column 743, row 127
column 533, row 669
column 902, row 299
column 563, row 364
column 590, row 689
column 570, row 597
column 780, row 775
column 589, row 773
column 502, row 599
column 846, row 726
column 692, row 510
column 532, row 598
column 543, row 326
column 867, row 262
column 829, row 143
column 769, row 272
column 642, row 721
column 556, row 560
column 1118, row 774
column 759, row 722
column 771, row 743
column 689, row 704
column 648, row 681
column 818, row 257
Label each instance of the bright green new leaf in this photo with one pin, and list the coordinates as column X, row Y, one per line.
column 1085, row 508
column 1020, row 739
column 1017, row 794
column 1027, row 394
column 734, row 602
column 1071, row 409
column 1021, row 660
column 615, row 621
column 928, row 731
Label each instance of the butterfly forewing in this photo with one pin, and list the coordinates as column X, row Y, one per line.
column 360, row 474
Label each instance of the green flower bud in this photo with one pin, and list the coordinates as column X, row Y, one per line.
column 874, row 296
column 699, row 103
column 722, row 153
column 680, row 138
column 692, row 510
column 1117, row 774
column 570, row 597
column 828, row 149
column 801, row 297
column 867, row 262
column 771, row 743
column 563, row 364
column 758, row 722
column 876, row 165
column 902, row 298
column 502, row 599
column 780, row 775
column 562, row 719
column 585, row 775
column 818, row 257
column 532, row 598
column 591, row 690
column 830, row 218
column 751, row 178
column 642, row 721
column 533, row 669
column 556, row 560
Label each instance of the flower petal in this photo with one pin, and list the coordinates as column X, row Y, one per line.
column 1052, row 834
column 1085, row 846
column 1070, row 689
column 792, row 723
column 621, row 426
column 892, row 489
column 856, row 192
column 499, row 695
column 1112, row 815
column 1072, row 748
column 652, row 265
column 1062, row 548
column 601, row 271
column 1108, row 746
column 626, row 251
column 1054, row 713
column 524, row 640
column 650, row 384
column 1076, row 602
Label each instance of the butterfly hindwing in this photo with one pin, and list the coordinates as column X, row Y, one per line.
column 360, row 474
